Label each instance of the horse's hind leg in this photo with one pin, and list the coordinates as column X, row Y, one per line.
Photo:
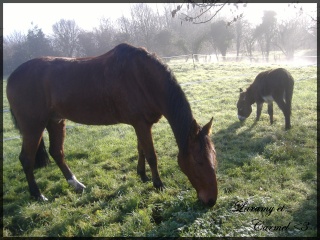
column 30, row 144
column 57, row 132
column 285, row 108
column 141, row 168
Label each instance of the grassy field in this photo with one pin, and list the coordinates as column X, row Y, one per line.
column 270, row 172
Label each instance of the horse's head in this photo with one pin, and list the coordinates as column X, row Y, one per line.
column 199, row 163
column 244, row 106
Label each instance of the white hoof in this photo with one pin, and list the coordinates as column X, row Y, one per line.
column 76, row 184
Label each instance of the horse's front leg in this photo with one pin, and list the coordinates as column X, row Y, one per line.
column 259, row 109
column 145, row 144
column 57, row 131
column 141, row 168
column 270, row 112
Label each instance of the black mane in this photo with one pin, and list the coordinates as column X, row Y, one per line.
column 179, row 113
column 178, row 110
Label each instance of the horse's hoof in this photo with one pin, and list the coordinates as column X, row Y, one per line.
column 158, row 185
column 41, row 198
column 79, row 187
column 144, row 178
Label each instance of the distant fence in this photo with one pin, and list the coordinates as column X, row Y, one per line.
column 241, row 58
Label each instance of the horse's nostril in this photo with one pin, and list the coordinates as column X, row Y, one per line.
column 208, row 202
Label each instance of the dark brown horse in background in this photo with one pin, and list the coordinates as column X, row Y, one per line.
column 273, row 85
column 126, row 85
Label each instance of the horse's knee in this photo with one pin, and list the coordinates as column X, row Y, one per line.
column 56, row 154
column 27, row 163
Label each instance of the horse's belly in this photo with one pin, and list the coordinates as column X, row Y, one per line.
column 88, row 116
column 93, row 120
column 268, row 99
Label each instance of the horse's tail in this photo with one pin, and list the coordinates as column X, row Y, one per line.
column 289, row 92
column 42, row 157
column 14, row 120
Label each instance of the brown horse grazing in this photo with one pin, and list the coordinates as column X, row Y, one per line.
column 125, row 85
column 273, row 85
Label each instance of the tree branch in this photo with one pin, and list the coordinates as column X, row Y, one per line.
column 212, row 15
column 205, row 7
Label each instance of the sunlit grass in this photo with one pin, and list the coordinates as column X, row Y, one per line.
column 257, row 162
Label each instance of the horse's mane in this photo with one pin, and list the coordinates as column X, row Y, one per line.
column 178, row 111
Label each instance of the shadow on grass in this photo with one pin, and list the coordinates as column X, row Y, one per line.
column 308, row 212
column 234, row 147
column 175, row 218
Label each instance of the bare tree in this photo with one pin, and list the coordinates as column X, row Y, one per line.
column 15, row 51
column 266, row 31
column 239, row 35
column 249, row 37
column 204, row 12
column 65, row 37
column 15, row 38
column 145, row 24
column 18, row 48
column 164, row 41
column 87, row 44
column 221, row 37
column 104, row 35
column 124, row 25
column 291, row 35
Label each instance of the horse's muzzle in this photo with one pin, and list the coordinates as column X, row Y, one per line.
column 241, row 118
column 208, row 201
column 211, row 203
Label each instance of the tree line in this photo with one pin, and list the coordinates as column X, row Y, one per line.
column 163, row 34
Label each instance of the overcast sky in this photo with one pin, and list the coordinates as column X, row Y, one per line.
column 19, row 16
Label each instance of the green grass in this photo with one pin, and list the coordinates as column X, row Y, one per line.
column 258, row 163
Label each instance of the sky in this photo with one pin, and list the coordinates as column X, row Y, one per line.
column 87, row 15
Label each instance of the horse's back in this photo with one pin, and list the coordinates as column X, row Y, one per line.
column 276, row 79
column 275, row 76
column 119, row 86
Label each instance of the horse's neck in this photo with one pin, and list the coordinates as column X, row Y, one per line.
column 250, row 95
column 179, row 116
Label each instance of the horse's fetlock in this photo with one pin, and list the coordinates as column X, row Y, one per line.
column 143, row 177
column 79, row 187
column 41, row 198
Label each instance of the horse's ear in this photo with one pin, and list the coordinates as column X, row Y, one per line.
column 241, row 90
column 194, row 129
column 207, row 128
